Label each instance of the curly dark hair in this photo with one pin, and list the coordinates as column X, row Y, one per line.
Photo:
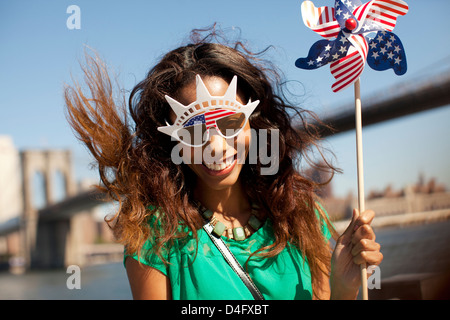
column 134, row 160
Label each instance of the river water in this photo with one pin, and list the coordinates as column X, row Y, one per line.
column 103, row 282
column 413, row 249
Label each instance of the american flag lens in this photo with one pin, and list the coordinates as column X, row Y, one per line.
column 195, row 131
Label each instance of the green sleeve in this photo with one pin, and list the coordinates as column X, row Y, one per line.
column 149, row 258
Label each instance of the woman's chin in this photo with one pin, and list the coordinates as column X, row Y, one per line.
column 218, row 179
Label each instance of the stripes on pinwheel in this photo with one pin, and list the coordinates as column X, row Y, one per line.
column 347, row 69
column 383, row 12
column 320, row 20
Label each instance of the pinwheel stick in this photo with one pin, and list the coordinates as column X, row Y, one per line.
column 359, row 165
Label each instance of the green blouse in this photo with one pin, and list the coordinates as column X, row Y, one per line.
column 204, row 274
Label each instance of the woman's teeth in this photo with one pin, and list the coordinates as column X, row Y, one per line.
column 220, row 166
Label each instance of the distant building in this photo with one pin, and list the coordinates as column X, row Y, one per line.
column 11, row 203
column 321, row 175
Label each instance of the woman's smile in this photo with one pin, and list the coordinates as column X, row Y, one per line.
column 221, row 168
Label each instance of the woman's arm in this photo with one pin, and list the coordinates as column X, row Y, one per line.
column 324, row 292
column 147, row 283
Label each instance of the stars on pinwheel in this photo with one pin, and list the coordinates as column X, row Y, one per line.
column 386, row 51
column 324, row 52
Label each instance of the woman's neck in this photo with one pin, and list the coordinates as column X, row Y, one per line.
column 229, row 202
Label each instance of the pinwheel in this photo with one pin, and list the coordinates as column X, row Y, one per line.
column 361, row 32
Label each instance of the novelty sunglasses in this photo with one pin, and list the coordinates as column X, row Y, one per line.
column 193, row 122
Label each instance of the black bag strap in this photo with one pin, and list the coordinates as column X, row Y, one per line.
column 235, row 265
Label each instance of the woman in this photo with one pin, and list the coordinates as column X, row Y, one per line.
column 188, row 161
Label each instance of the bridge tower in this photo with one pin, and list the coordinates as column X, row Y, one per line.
column 48, row 163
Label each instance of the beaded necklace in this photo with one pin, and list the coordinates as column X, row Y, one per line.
column 238, row 233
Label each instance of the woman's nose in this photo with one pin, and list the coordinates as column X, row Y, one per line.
column 217, row 144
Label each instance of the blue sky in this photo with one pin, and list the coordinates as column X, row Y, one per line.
column 38, row 53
